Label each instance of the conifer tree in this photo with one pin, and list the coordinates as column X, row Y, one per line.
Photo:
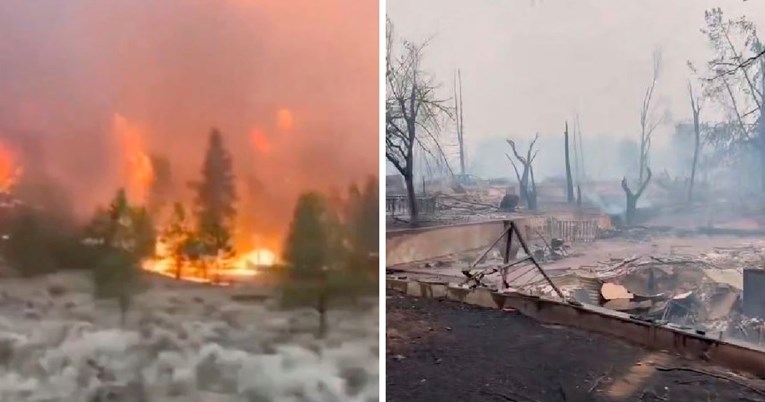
column 364, row 218
column 125, row 236
column 308, row 241
column 308, row 256
column 177, row 237
column 215, row 197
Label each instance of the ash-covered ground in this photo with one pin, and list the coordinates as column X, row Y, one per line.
column 181, row 342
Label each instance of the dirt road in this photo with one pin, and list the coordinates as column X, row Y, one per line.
column 442, row 351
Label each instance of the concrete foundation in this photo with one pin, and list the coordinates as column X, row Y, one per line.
column 600, row 320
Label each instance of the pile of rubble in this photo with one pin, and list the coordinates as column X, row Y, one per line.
column 703, row 293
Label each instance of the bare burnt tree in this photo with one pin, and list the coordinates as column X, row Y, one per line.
column 648, row 120
column 413, row 113
column 459, row 120
column 738, row 86
column 527, row 186
column 569, row 180
column 696, row 110
column 633, row 197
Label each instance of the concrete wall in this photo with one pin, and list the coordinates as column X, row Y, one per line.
column 595, row 319
column 411, row 245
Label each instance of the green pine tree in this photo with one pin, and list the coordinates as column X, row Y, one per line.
column 308, row 242
column 307, row 255
column 142, row 232
column 362, row 228
column 215, row 198
column 125, row 235
column 27, row 246
column 177, row 236
column 364, row 218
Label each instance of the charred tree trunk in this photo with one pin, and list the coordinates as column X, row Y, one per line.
column 458, row 115
column 695, row 108
column 632, row 198
column 532, row 194
column 411, row 199
column 526, row 193
column 569, row 181
column 696, row 147
column 524, row 186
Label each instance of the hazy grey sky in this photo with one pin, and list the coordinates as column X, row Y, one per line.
column 528, row 65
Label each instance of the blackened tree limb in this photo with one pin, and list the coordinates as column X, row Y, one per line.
column 569, row 180
column 413, row 113
column 633, row 197
column 696, row 110
column 527, row 190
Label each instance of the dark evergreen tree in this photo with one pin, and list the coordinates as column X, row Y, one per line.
column 364, row 221
column 143, row 233
column 308, row 256
column 26, row 248
column 320, row 253
column 362, row 228
column 177, row 237
column 216, row 194
column 118, row 225
column 308, row 241
column 124, row 236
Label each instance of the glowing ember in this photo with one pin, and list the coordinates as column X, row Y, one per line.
column 138, row 169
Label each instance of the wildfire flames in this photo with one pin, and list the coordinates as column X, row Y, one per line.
column 139, row 176
column 137, row 101
column 9, row 168
column 244, row 265
column 138, row 169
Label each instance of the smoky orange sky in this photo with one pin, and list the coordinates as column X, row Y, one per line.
column 292, row 85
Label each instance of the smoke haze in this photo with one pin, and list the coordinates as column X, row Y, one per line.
column 529, row 65
column 292, row 85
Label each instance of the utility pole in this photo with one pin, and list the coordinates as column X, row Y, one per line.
column 569, row 180
column 458, row 114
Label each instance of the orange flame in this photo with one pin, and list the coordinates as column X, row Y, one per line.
column 9, row 168
column 138, row 173
column 245, row 265
column 138, row 176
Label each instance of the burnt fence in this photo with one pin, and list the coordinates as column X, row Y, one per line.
column 398, row 205
column 572, row 231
